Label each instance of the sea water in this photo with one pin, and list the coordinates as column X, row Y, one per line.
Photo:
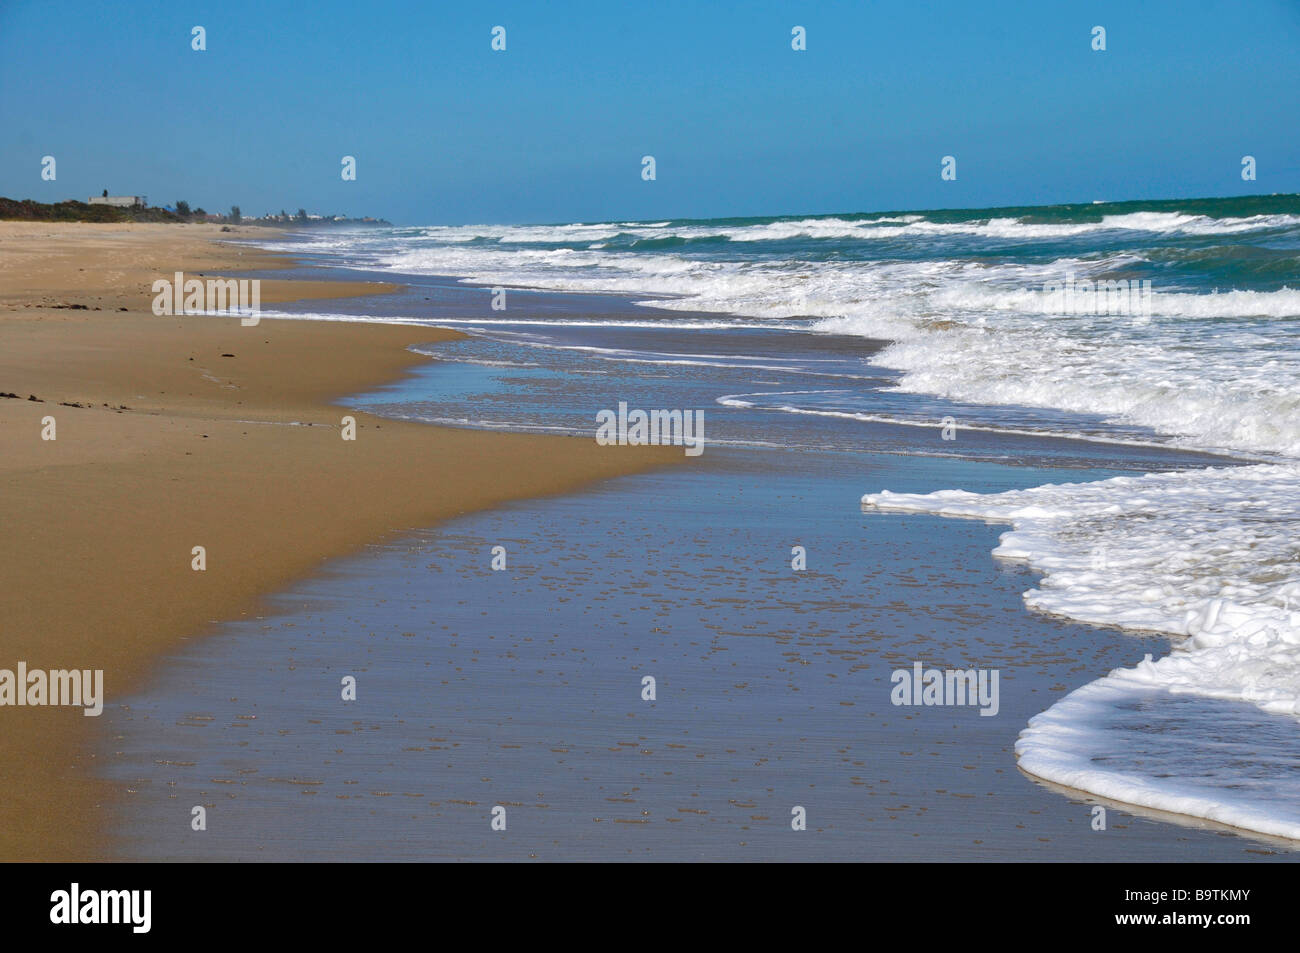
column 1165, row 438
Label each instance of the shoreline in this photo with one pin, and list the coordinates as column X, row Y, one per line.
column 1174, row 818
column 1177, row 459
column 537, row 709
column 180, row 431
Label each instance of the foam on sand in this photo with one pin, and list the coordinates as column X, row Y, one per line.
column 1211, row 555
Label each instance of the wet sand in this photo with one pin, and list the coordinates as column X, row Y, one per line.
column 184, row 431
column 522, row 688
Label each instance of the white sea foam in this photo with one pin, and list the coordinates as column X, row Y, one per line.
column 1242, row 393
column 1215, row 388
column 1123, row 739
column 865, row 229
column 1205, row 556
column 931, row 423
column 1210, row 555
column 952, row 322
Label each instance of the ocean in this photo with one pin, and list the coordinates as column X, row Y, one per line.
column 1113, row 387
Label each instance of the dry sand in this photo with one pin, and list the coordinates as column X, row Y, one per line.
column 191, row 434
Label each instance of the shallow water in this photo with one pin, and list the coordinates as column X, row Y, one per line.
column 522, row 688
column 846, row 356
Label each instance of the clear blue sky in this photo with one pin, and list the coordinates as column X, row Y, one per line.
column 554, row 128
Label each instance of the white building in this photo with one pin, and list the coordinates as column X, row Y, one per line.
column 119, row 201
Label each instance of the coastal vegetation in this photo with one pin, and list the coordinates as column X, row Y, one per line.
column 76, row 211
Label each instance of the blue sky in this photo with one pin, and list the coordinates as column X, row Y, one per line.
column 553, row 129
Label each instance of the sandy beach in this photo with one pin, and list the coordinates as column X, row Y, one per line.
column 182, row 431
column 523, row 688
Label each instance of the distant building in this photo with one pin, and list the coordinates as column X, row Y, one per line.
column 119, row 201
